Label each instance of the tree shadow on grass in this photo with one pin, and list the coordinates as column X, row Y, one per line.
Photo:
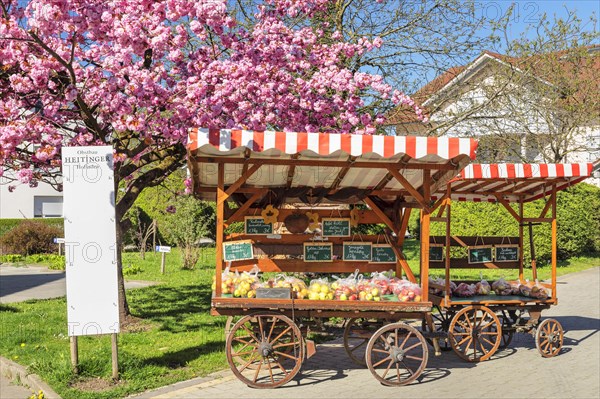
column 182, row 357
column 6, row 308
column 175, row 308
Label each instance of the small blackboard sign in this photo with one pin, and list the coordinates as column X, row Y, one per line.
column 255, row 225
column 335, row 227
column 383, row 253
column 507, row 253
column 318, row 252
column 480, row 254
column 358, row 251
column 436, row 253
column 237, row 250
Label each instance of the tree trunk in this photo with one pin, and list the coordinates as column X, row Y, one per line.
column 123, row 305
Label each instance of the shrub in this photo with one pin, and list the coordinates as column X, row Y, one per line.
column 30, row 237
column 192, row 220
column 9, row 224
column 11, row 258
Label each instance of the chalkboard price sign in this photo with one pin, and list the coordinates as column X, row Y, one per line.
column 357, row 251
column 339, row 227
column 436, row 253
column 318, row 252
column 237, row 250
column 383, row 253
column 255, row 225
column 480, row 254
column 507, row 253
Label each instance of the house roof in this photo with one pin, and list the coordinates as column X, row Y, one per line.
column 535, row 63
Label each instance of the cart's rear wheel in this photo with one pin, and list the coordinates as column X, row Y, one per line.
column 549, row 338
column 475, row 333
column 265, row 350
column 357, row 334
column 441, row 321
column 507, row 332
column 397, row 354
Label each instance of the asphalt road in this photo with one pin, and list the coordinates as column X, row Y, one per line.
column 515, row 372
column 22, row 283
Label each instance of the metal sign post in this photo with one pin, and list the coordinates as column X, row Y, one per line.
column 163, row 249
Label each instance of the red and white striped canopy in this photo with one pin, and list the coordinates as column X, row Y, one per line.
column 322, row 151
column 484, row 182
column 214, row 141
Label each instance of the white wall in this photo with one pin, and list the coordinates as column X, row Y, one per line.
column 21, row 202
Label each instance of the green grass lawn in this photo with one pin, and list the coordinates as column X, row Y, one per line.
column 175, row 339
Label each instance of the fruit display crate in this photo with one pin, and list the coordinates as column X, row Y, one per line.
column 488, row 300
column 317, row 308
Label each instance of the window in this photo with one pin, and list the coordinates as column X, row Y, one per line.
column 47, row 206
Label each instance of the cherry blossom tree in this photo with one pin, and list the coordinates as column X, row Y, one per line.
column 137, row 74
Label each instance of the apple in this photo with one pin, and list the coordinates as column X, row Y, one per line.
column 369, row 297
column 374, row 291
column 353, row 297
column 362, row 295
column 377, row 298
column 322, row 296
column 343, row 297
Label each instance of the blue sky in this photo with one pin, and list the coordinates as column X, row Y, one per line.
column 528, row 12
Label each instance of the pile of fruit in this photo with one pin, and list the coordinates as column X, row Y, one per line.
column 354, row 287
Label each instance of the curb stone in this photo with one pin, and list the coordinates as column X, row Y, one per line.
column 14, row 371
column 180, row 387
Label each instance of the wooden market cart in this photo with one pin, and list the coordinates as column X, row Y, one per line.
column 248, row 172
column 473, row 324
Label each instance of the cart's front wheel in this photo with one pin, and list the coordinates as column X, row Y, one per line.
column 357, row 333
column 475, row 333
column 549, row 338
column 265, row 350
column 397, row 354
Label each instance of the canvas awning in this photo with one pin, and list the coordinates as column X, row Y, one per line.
column 512, row 182
column 376, row 165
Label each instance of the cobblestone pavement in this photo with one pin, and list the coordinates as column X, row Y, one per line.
column 516, row 372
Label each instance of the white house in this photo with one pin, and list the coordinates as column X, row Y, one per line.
column 510, row 106
column 26, row 202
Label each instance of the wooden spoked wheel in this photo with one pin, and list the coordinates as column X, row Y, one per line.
column 441, row 321
column 549, row 338
column 231, row 320
column 357, row 334
column 397, row 354
column 475, row 333
column 265, row 350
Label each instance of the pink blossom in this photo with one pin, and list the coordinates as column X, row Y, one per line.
column 25, row 175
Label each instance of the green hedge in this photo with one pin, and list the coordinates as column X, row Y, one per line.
column 8, row 224
column 578, row 223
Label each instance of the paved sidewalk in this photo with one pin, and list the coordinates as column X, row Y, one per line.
column 8, row 390
column 516, row 372
column 22, row 283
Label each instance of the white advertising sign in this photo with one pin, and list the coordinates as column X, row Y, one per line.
column 163, row 248
column 90, row 240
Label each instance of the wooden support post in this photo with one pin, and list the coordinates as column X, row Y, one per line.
column 403, row 226
column 532, row 250
column 221, row 195
column 115, row 356
column 554, row 248
column 74, row 354
column 381, row 214
column 447, row 243
column 242, row 209
column 521, row 242
column 425, row 215
column 162, row 262
column 424, row 202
